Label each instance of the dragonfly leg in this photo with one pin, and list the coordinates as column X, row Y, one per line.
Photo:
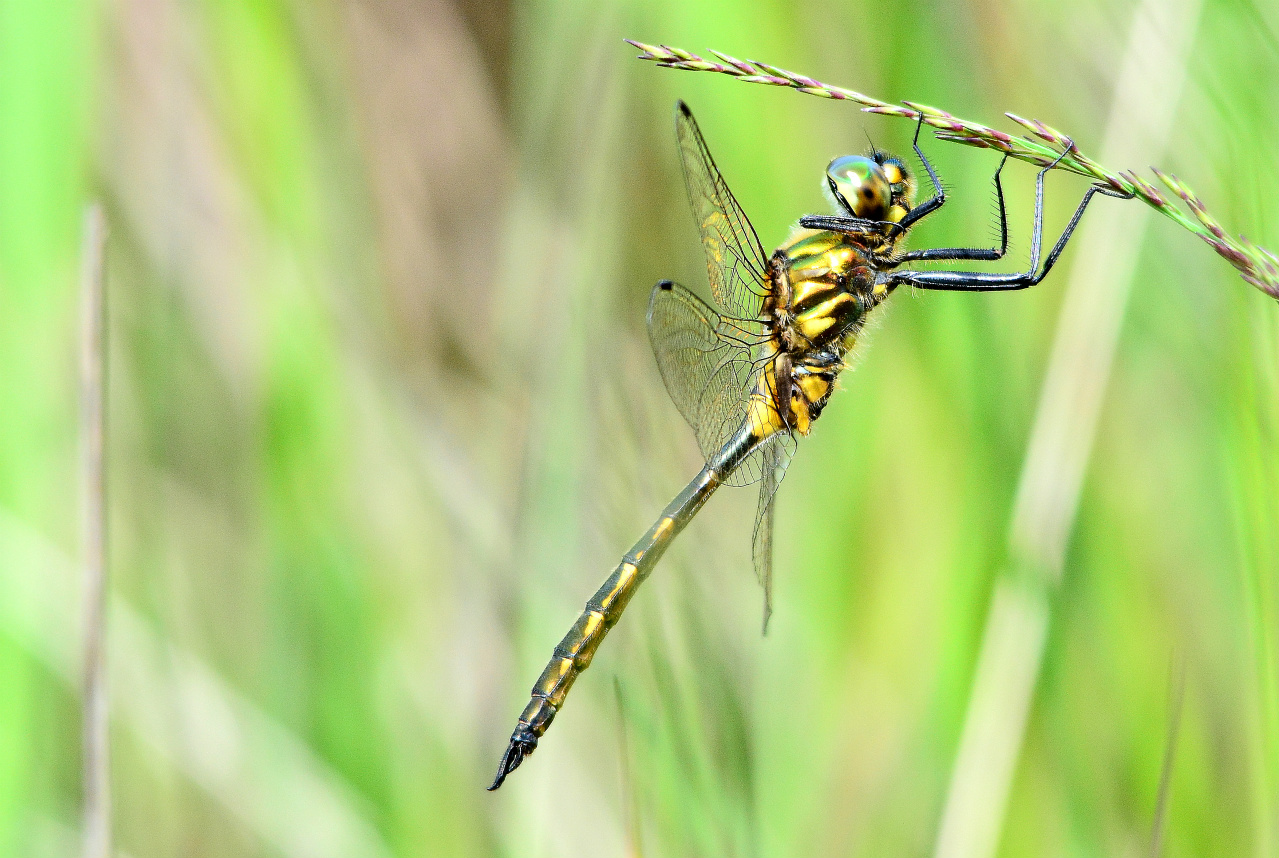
column 979, row 281
column 846, row 225
column 968, row 253
column 937, row 200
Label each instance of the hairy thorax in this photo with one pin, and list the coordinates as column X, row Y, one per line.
column 822, row 287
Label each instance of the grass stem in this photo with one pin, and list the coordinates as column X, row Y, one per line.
column 93, row 383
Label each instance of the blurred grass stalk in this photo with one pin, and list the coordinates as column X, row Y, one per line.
column 1176, row 704
column 177, row 705
column 1147, row 93
column 93, row 381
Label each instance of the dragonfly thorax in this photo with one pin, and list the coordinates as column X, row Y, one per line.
column 823, row 285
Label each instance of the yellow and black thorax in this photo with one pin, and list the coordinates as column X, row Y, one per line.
column 822, row 287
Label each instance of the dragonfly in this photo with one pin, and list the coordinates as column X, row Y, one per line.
column 753, row 373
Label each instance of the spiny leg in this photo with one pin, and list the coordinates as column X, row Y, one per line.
column 977, row 281
column 969, row 253
column 938, row 198
column 846, row 225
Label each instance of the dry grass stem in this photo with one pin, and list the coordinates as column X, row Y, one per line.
column 96, row 760
column 1256, row 265
column 1175, row 706
column 256, row 771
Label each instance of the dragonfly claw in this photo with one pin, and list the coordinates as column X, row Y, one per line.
column 523, row 743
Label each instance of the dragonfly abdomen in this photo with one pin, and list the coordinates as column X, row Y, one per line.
column 574, row 652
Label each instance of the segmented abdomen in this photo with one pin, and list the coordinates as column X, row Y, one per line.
column 574, row 652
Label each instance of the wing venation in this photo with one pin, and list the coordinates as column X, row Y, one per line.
column 735, row 261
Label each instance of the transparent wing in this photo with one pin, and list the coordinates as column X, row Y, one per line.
column 706, row 361
column 735, row 260
column 776, row 456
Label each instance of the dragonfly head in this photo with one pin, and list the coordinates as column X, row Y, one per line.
column 875, row 187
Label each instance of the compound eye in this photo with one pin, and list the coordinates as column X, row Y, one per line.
column 859, row 184
column 899, row 180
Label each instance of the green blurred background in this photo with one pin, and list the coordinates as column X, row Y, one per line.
column 383, row 414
